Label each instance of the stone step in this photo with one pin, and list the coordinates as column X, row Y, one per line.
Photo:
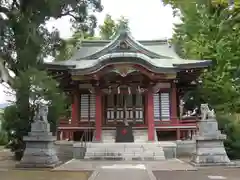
column 119, row 145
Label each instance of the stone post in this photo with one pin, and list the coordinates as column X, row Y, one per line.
column 210, row 149
column 40, row 149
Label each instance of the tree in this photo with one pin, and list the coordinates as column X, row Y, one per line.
column 110, row 27
column 183, row 3
column 212, row 33
column 43, row 89
column 25, row 40
column 211, row 30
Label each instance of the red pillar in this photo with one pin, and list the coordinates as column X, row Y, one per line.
column 174, row 107
column 74, row 113
column 150, row 115
column 98, row 122
column 75, row 109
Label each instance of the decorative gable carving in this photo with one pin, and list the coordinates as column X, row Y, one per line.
column 123, row 70
column 123, row 45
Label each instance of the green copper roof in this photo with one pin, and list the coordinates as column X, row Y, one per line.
column 156, row 55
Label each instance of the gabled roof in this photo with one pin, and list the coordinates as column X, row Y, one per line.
column 155, row 55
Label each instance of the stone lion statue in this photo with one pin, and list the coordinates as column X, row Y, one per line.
column 41, row 113
column 206, row 112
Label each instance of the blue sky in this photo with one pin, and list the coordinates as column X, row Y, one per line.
column 147, row 20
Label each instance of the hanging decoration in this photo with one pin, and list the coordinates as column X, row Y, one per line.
column 118, row 90
column 141, row 90
column 109, row 90
column 129, row 90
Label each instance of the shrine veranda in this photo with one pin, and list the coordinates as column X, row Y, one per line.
column 124, row 82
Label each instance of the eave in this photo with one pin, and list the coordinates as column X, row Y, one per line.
column 189, row 65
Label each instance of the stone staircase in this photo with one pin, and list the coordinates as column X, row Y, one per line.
column 140, row 149
column 124, row 151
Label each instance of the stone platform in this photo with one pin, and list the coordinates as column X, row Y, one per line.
column 165, row 165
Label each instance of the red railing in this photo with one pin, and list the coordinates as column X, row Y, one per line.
column 189, row 121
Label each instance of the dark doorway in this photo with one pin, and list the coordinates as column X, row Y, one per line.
column 83, row 135
column 166, row 135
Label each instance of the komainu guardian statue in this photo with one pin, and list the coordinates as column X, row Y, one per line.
column 206, row 113
column 210, row 149
column 41, row 113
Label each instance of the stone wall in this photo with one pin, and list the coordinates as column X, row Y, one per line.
column 185, row 148
column 64, row 150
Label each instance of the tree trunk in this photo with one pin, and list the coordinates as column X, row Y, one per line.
column 22, row 102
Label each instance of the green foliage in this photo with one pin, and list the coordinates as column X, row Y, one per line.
column 110, row 27
column 12, row 123
column 3, row 138
column 42, row 89
column 181, row 4
column 24, row 43
column 25, row 40
column 24, row 33
column 230, row 125
column 45, row 89
column 213, row 34
column 211, row 30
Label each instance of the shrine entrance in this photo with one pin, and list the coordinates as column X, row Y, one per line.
column 124, row 107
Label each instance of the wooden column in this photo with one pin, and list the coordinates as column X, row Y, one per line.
column 75, row 109
column 174, row 117
column 174, row 107
column 150, row 115
column 98, row 117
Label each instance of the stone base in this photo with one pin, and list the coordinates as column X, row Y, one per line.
column 39, row 154
column 210, row 152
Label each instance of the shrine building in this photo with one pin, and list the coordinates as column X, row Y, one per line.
column 125, row 82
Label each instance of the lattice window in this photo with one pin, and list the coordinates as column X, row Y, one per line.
column 161, row 105
column 87, row 107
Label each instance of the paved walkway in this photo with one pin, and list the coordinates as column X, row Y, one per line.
column 123, row 172
column 210, row 173
column 167, row 165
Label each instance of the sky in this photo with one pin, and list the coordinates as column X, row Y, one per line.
column 148, row 20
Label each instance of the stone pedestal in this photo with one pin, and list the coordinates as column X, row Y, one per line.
column 210, row 149
column 40, row 151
